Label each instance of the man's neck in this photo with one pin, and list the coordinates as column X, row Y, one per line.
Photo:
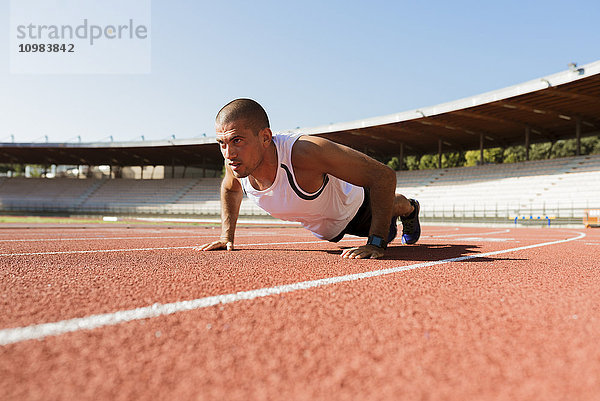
column 264, row 175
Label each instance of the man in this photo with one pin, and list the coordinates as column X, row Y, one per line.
column 331, row 189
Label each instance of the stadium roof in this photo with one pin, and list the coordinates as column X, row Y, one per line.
column 548, row 108
column 179, row 152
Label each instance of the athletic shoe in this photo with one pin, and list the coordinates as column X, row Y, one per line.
column 411, row 228
column 393, row 229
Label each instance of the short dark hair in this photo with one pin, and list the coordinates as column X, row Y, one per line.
column 244, row 109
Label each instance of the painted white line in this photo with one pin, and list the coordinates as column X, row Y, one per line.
column 99, row 238
column 267, row 221
column 143, row 237
column 93, row 251
column 441, row 230
column 238, row 246
column 40, row 331
column 480, row 239
column 460, row 235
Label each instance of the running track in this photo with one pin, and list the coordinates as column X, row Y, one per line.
column 468, row 313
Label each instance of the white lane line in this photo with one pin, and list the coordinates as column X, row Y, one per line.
column 480, row 239
column 93, row 251
column 460, row 235
column 161, row 248
column 142, row 237
column 40, row 331
column 122, row 238
column 99, row 238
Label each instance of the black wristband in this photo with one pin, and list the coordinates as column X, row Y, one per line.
column 377, row 241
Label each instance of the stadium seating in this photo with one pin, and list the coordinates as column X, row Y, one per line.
column 561, row 188
column 45, row 193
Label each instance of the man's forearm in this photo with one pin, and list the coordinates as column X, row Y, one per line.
column 382, row 193
column 230, row 210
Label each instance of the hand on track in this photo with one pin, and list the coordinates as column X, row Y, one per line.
column 363, row 252
column 220, row 244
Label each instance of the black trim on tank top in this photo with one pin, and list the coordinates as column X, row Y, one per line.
column 295, row 188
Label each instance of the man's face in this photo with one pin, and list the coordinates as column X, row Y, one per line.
column 242, row 149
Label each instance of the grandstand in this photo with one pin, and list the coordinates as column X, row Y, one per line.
column 560, row 188
column 186, row 196
column 560, row 106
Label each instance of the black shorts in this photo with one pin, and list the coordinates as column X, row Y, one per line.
column 360, row 225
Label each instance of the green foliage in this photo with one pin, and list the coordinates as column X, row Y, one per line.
column 564, row 148
column 540, row 151
column 36, row 171
column 471, row 158
column 514, row 154
column 17, row 169
column 412, row 162
column 394, row 163
column 453, row 159
column 590, row 145
column 492, row 155
column 428, row 162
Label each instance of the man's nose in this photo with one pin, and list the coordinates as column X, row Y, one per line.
column 228, row 153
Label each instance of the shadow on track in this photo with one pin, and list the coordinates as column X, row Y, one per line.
column 429, row 253
column 417, row 253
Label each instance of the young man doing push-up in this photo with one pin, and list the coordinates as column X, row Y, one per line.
column 330, row 189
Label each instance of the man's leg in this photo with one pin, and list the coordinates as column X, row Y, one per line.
column 408, row 211
column 402, row 206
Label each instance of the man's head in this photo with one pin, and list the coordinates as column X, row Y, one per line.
column 243, row 133
column 246, row 110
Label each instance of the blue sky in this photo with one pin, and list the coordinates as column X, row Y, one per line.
column 308, row 63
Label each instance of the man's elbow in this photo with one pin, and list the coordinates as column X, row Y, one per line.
column 389, row 177
column 383, row 178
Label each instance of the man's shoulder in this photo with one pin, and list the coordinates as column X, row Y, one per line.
column 307, row 150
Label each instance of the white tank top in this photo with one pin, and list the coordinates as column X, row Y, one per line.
column 326, row 212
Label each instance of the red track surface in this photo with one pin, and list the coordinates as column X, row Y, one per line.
column 516, row 325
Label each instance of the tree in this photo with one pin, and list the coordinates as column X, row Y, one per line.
column 394, row 163
column 17, row 169
column 491, row 155
column 514, row 154
column 453, row 159
column 590, row 145
column 540, row 151
column 471, row 158
column 412, row 162
column 428, row 162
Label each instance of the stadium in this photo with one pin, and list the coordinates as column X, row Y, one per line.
column 182, row 177
column 105, row 297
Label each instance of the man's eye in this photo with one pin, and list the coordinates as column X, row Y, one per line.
column 237, row 140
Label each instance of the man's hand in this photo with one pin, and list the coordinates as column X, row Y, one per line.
column 363, row 252
column 220, row 244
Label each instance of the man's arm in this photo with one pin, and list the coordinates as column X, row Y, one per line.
column 231, row 199
column 321, row 156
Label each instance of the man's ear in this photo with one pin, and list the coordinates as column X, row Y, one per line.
column 266, row 136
